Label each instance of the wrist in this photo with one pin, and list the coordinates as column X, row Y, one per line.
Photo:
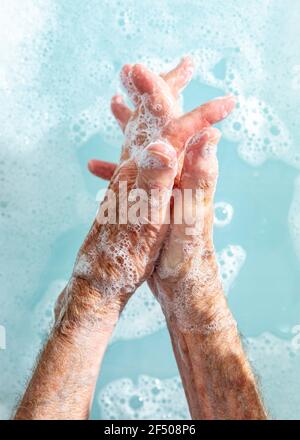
column 194, row 314
column 108, row 264
column 82, row 308
column 195, row 301
column 195, row 267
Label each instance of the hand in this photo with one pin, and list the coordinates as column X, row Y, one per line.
column 186, row 280
column 116, row 258
column 184, row 257
column 158, row 114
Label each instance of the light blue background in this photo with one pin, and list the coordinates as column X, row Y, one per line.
column 59, row 67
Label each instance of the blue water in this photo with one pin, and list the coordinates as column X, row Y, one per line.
column 59, row 67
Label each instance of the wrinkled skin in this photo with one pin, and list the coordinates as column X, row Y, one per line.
column 195, row 142
column 162, row 149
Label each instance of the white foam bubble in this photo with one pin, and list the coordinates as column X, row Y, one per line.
column 230, row 261
column 51, row 76
column 147, row 160
column 276, row 361
column 19, row 26
column 142, row 316
column 149, row 398
column 93, row 120
column 205, row 59
column 260, row 132
column 223, row 213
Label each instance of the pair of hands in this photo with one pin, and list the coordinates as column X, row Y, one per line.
column 163, row 148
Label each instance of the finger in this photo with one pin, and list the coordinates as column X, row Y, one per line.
column 128, row 84
column 180, row 130
column 199, row 176
column 121, row 112
column 102, row 169
column 157, row 166
column 200, row 167
column 158, row 94
column 180, row 76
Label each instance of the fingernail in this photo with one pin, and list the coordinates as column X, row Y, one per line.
column 203, row 144
column 197, row 138
column 117, row 99
column 232, row 99
column 91, row 166
column 229, row 105
column 158, row 155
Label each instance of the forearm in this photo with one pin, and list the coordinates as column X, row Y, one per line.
column 216, row 375
column 64, row 380
column 217, row 378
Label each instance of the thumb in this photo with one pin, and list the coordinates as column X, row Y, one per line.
column 102, row 169
column 157, row 166
column 200, row 168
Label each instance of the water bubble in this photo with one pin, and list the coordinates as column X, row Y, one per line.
column 223, row 213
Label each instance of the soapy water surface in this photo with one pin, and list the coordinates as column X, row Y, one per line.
column 59, row 66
